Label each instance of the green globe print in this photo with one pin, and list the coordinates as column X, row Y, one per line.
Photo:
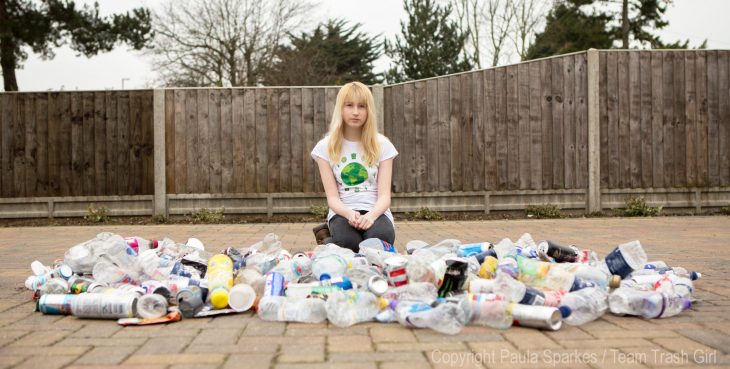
column 353, row 174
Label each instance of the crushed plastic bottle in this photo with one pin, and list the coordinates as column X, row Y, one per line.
column 647, row 304
column 346, row 308
column 584, row 305
column 284, row 309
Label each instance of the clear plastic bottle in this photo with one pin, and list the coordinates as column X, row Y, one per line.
column 489, row 310
column 107, row 272
column 426, row 266
column 516, row 291
column 151, row 306
column 584, row 305
column 414, row 245
column 346, row 308
column 445, row 317
column 378, row 244
column 139, row 244
column 331, row 264
column 679, row 271
column 293, row 269
column 669, row 283
column 283, row 309
column 647, row 304
column 624, row 259
column 160, row 268
column 270, row 245
column 542, row 275
column 55, row 286
column 416, row 291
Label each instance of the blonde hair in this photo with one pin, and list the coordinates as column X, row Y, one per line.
column 357, row 93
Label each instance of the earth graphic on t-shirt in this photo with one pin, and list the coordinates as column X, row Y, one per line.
column 353, row 173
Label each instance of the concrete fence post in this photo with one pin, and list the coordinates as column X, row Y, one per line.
column 379, row 98
column 593, row 197
column 160, row 199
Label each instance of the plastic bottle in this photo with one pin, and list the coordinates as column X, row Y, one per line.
column 445, row 317
column 269, row 245
column 241, row 297
column 504, row 247
column 189, row 301
column 414, row 245
column 107, row 272
column 82, row 258
column 648, row 304
column 426, row 266
column 151, row 306
column 378, row 244
column 584, row 306
column 160, row 268
column 293, row 269
column 540, row 274
column 346, row 308
column 220, row 280
column 330, row 264
column 679, row 271
column 489, row 310
column 471, row 249
column 54, row 286
column 417, row 291
column 283, row 309
column 665, row 283
column 139, row 244
column 516, row 291
column 624, row 259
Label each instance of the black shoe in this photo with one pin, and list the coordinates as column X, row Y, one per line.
column 321, row 233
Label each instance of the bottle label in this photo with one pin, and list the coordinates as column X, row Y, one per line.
column 617, row 264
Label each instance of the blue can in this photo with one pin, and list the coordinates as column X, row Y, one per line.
column 274, row 284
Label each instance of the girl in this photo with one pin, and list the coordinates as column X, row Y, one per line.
column 356, row 166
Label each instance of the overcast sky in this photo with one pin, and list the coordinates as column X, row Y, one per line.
column 695, row 20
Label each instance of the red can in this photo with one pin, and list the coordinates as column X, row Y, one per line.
column 395, row 270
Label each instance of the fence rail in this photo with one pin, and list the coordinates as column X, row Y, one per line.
column 633, row 119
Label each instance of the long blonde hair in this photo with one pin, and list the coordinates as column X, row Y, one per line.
column 357, row 93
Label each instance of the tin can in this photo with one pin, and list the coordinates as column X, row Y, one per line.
column 454, row 277
column 104, row 306
column 541, row 317
column 55, row 304
column 377, row 285
column 559, row 253
column 395, row 270
column 274, row 285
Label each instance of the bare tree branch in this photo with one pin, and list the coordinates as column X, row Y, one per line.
column 221, row 42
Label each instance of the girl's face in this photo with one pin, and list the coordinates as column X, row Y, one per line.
column 354, row 113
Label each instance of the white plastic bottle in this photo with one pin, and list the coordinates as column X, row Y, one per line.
column 283, row 309
column 624, row 259
column 584, row 305
column 346, row 308
column 648, row 304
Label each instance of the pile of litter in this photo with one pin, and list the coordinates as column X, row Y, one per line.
column 442, row 286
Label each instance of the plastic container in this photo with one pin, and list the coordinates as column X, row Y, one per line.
column 220, row 280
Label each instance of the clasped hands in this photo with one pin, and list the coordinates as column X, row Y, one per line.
column 359, row 221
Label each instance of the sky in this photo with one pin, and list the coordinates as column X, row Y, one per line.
column 695, row 20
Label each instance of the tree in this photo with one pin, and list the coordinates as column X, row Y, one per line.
column 431, row 43
column 221, row 42
column 43, row 25
column 568, row 29
column 333, row 54
column 528, row 16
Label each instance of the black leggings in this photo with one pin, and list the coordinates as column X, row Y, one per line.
column 345, row 235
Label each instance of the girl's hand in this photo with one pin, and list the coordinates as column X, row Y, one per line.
column 365, row 222
column 354, row 219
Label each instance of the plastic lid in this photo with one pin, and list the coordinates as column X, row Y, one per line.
column 38, row 268
column 694, row 276
column 155, row 244
column 615, row 281
column 377, row 285
column 65, row 271
column 687, row 304
column 565, row 311
column 219, row 298
column 241, row 297
column 324, row 277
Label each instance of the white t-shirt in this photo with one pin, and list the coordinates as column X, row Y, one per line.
column 357, row 182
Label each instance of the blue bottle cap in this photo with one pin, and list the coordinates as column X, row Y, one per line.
column 324, row 277
column 694, row 276
column 565, row 311
column 346, row 284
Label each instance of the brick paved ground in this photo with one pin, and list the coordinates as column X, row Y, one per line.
column 29, row 339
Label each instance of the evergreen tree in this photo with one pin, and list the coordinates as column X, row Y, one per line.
column 431, row 44
column 639, row 20
column 333, row 54
column 45, row 24
column 568, row 29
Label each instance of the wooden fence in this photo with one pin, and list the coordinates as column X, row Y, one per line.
column 658, row 120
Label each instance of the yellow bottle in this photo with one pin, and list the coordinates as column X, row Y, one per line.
column 220, row 280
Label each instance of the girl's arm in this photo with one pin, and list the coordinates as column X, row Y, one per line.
column 333, row 196
column 385, row 175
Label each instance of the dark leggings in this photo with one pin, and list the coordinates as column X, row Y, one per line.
column 345, row 235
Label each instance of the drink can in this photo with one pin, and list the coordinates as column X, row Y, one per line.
column 388, row 247
column 274, row 284
column 559, row 253
column 454, row 277
column 55, row 304
column 395, row 270
column 104, row 306
column 541, row 317
column 377, row 285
